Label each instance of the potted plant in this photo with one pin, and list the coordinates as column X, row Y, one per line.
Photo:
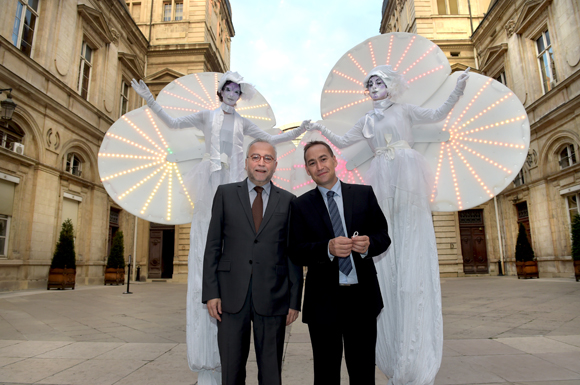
column 115, row 271
column 576, row 245
column 62, row 272
column 526, row 264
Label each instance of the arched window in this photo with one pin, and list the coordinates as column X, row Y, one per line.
column 74, row 164
column 10, row 134
column 567, row 156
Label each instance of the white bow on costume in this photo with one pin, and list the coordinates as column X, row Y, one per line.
column 380, row 106
column 389, row 151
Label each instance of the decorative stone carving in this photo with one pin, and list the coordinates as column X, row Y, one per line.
column 52, row 139
column 116, row 35
column 510, row 28
column 532, row 158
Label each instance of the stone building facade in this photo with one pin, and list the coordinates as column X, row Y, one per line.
column 532, row 46
column 69, row 65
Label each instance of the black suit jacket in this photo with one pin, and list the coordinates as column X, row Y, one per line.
column 310, row 232
column 236, row 253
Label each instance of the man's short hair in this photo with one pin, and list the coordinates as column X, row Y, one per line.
column 259, row 140
column 314, row 143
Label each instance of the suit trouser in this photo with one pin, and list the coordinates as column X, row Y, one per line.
column 356, row 331
column 234, row 344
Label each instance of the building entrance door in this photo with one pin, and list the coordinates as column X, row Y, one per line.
column 161, row 251
column 473, row 246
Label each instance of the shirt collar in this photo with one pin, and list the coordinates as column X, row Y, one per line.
column 337, row 188
column 266, row 187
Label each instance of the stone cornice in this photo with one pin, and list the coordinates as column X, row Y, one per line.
column 487, row 25
column 97, row 21
column 530, row 11
column 130, row 61
column 560, row 108
column 23, row 159
column 491, row 55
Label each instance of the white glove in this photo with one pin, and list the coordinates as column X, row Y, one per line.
column 143, row 91
column 462, row 81
column 315, row 127
column 305, row 126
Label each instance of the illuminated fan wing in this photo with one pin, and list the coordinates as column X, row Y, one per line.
column 489, row 140
column 135, row 171
column 421, row 61
column 142, row 161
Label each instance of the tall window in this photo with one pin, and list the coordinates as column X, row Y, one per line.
column 167, row 11
column 179, row 10
column 4, row 227
column 135, row 10
column 85, row 70
column 25, row 25
column 74, row 164
column 124, row 98
column 567, row 156
column 447, row 7
column 546, row 61
column 572, row 202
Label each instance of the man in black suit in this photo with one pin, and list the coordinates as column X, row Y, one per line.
column 335, row 230
column 247, row 276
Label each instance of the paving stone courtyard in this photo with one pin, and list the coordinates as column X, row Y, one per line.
column 498, row 330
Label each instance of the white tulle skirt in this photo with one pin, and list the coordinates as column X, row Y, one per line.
column 201, row 329
column 410, row 326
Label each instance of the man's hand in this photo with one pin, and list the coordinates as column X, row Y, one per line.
column 340, row 247
column 214, row 307
column 292, row 316
column 360, row 243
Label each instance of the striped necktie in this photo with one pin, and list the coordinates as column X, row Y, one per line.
column 344, row 264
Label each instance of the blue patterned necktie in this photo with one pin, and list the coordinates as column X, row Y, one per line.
column 344, row 264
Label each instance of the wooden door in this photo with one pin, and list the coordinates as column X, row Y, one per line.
column 473, row 246
column 155, row 253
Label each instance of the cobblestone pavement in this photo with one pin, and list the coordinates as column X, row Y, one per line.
column 498, row 330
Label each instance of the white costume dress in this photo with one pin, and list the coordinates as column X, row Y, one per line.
column 410, row 327
column 223, row 163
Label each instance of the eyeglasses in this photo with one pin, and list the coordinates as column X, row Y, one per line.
column 256, row 158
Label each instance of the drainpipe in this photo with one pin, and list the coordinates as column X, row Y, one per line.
column 499, row 236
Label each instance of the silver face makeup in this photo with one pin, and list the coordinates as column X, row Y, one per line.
column 231, row 94
column 377, row 88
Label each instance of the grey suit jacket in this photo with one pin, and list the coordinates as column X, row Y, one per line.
column 236, row 253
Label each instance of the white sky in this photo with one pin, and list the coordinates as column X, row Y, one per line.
column 286, row 48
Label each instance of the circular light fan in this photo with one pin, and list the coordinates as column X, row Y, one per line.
column 421, row 61
column 474, row 153
column 142, row 161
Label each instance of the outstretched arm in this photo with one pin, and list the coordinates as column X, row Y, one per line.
column 193, row 120
column 252, row 130
column 427, row 115
column 352, row 136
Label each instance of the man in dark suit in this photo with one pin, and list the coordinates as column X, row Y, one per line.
column 335, row 230
column 247, row 276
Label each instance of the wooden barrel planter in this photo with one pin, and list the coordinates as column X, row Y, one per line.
column 61, row 278
column 527, row 269
column 577, row 270
column 114, row 276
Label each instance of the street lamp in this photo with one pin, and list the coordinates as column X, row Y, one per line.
column 8, row 105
